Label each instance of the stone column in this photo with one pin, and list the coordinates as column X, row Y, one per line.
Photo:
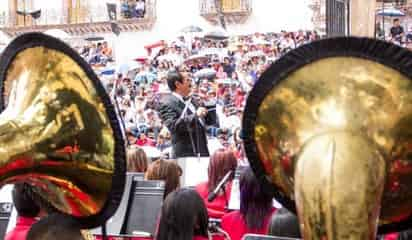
column 362, row 17
column 12, row 13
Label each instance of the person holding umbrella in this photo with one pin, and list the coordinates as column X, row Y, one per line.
column 397, row 32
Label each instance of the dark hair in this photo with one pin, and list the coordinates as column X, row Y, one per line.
column 25, row 205
column 255, row 202
column 405, row 235
column 166, row 170
column 396, row 20
column 55, row 226
column 284, row 224
column 184, row 215
column 173, row 76
column 136, row 159
column 221, row 162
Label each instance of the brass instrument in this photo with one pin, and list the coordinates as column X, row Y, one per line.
column 58, row 130
column 329, row 128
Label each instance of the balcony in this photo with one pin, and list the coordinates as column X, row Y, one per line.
column 87, row 21
column 234, row 11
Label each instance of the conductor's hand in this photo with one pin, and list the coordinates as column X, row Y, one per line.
column 201, row 112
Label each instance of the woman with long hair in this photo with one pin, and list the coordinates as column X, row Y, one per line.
column 183, row 217
column 284, row 224
column 221, row 162
column 166, row 170
column 136, row 159
column 255, row 209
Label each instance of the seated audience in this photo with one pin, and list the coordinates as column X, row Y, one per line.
column 183, row 217
column 136, row 159
column 221, row 162
column 166, row 170
column 255, row 209
column 140, row 8
column 284, row 224
column 53, row 227
column 27, row 211
column 144, row 140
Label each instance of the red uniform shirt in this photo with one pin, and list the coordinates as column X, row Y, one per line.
column 23, row 225
column 216, row 208
column 234, row 224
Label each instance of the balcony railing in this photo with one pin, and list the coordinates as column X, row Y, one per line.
column 208, row 7
column 53, row 17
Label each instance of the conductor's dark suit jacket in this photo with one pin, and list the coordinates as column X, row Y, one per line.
column 188, row 132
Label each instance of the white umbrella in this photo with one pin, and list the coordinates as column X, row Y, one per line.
column 217, row 34
column 58, row 33
column 191, row 29
column 208, row 73
column 255, row 54
column 391, row 12
column 128, row 67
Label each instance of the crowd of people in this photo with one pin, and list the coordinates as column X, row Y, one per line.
column 222, row 74
column 97, row 54
column 133, row 8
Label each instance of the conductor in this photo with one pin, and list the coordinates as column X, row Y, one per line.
column 184, row 117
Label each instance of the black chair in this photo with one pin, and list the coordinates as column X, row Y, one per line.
column 5, row 212
column 265, row 237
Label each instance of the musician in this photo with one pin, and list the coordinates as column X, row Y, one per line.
column 184, row 118
column 221, row 162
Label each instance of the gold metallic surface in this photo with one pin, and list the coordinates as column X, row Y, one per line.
column 352, row 96
column 339, row 179
column 55, row 133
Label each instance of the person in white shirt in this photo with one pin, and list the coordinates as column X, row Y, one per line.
column 140, row 8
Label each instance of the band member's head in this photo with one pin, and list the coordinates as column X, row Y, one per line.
column 54, row 225
column 179, row 82
column 24, row 202
column 183, row 216
column 166, row 170
column 221, row 162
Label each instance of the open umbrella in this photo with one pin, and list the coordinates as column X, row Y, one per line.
column 226, row 81
column 191, row 29
column 390, row 12
column 127, row 67
column 94, row 39
column 255, row 54
column 141, row 59
column 208, row 73
column 197, row 57
column 217, row 35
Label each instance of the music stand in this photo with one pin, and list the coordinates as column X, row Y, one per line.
column 144, row 207
column 234, row 201
column 265, row 237
column 5, row 212
column 115, row 223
